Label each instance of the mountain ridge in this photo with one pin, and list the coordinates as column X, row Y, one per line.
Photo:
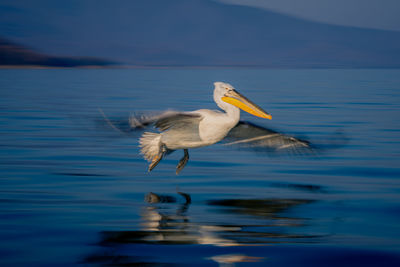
column 209, row 33
column 15, row 55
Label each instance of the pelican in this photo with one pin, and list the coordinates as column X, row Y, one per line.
column 203, row 127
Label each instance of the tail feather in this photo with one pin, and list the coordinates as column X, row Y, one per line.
column 150, row 144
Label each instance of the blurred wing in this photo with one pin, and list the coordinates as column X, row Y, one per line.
column 180, row 128
column 161, row 120
column 249, row 135
column 178, row 120
column 144, row 120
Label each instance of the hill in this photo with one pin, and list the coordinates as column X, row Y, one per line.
column 12, row 54
column 199, row 33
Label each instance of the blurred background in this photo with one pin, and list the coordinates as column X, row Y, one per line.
column 74, row 189
column 254, row 33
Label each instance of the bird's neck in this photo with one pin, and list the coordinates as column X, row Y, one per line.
column 232, row 112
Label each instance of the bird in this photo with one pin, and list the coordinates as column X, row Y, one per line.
column 184, row 130
column 199, row 128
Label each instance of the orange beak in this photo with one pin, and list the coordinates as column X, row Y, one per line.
column 235, row 98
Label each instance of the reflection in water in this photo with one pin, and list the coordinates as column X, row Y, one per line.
column 231, row 259
column 167, row 220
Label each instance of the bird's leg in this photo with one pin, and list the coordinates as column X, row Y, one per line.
column 155, row 161
column 183, row 161
column 157, row 158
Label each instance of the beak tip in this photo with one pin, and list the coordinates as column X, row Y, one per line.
column 267, row 116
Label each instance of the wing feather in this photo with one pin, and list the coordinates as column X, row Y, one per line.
column 249, row 135
column 178, row 121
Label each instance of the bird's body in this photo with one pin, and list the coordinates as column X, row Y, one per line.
column 184, row 130
column 206, row 127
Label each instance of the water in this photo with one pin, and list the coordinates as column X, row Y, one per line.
column 72, row 189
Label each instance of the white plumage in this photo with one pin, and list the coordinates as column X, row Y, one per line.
column 184, row 130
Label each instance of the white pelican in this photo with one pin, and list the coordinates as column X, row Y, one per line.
column 184, row 130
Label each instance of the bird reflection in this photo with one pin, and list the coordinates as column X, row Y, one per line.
column 167, row 220
column 229, row 260
column 160, row 224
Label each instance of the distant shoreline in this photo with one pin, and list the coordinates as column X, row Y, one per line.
column 190, row 67
column 51, row 67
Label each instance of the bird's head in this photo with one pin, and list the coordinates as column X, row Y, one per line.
column 228, row 94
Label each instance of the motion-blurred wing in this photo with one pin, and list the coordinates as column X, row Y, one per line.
column 144, row 120
column 135, row 121
column 166, row 120
column 180, row 127
column 178, row 121
column 249, row 135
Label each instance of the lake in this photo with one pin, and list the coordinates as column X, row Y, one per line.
column 75, row 191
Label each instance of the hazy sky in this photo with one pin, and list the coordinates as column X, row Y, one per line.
column 376, row 14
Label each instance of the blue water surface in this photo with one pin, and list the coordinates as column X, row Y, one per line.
column 72, row 188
